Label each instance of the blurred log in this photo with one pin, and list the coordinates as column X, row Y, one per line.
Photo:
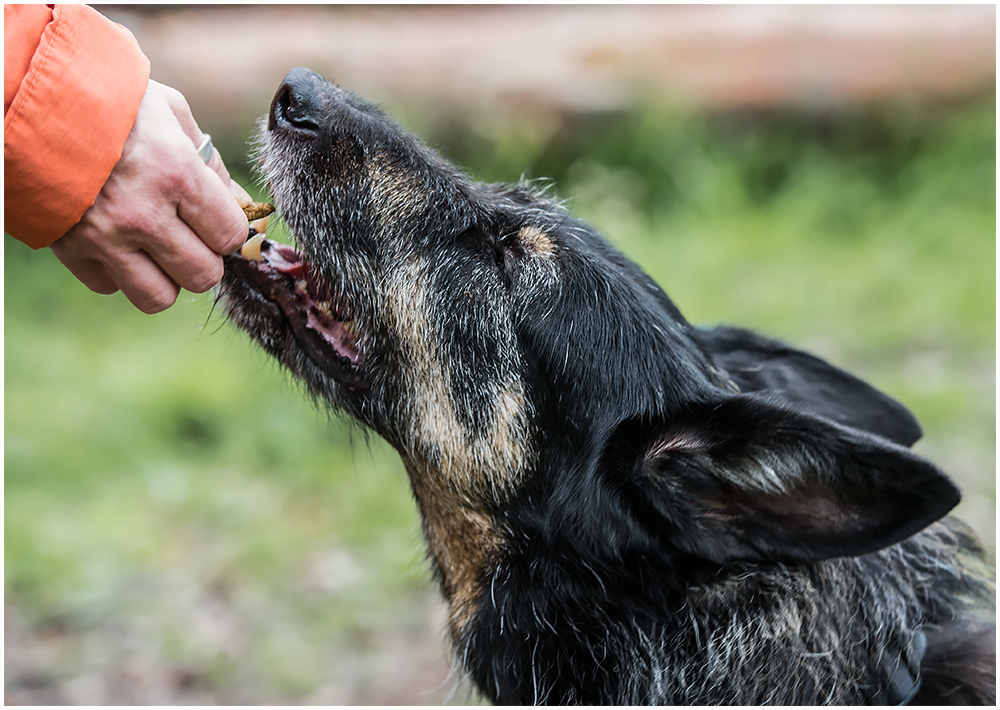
column 500, row 60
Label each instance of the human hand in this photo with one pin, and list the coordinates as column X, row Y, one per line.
column 164, row 218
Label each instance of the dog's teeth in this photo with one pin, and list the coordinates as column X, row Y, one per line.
column 251, row 250
column 259, row 225
column 302, row 286
column 325, row 307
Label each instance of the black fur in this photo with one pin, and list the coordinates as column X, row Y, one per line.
column 756, row 364
column 619, row 507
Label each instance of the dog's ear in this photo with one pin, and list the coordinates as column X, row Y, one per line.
column 746, row 478
column 808, row 383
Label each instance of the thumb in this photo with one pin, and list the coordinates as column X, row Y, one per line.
column 244, row 199
column 241, row 195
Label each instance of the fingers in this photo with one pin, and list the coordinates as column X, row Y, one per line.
column 210, row 210
column 178, row 105
column 145, row 285
column 206, row 204
column 164, row 216
column 242, row 196
column 186, row 259
column 124, row 244
column 90, row 272
column 215, row 164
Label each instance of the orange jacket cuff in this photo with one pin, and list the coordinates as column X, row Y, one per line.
column 68, row 121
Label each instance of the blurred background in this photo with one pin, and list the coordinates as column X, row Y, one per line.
column 181, row 526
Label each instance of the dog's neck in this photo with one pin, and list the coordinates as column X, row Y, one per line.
column 463, row 539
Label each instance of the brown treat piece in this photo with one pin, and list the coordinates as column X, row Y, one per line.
column 256, row 210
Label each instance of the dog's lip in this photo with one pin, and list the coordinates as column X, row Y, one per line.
column 320, row 321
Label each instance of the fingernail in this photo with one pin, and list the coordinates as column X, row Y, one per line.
column 241, row 195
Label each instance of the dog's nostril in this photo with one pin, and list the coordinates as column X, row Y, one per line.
column 297, row 103
column 279, row 108
column 299, row 115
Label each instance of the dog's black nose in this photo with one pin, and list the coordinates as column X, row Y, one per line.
column 298, row 101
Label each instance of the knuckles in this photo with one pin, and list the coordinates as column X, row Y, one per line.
column 155, row 302
column 206, row 278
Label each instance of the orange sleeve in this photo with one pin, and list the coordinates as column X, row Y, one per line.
column 73, row 82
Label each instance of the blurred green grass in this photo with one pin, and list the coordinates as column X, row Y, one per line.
column 172, row 497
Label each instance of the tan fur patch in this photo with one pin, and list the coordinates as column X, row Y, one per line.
column 464, row 542
column 473, row 464
column 536, row 241
column 456, row 473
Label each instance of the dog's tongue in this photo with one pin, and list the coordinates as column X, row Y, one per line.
column 339, row 334
column 284, row 259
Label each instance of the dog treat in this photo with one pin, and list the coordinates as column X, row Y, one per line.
column 251, row 250
column 256, row 210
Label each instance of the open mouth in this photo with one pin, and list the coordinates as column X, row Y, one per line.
column 320, row 321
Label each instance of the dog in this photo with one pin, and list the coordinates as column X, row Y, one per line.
column 619, row 507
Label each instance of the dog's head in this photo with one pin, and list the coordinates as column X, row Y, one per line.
column 510, row 354
column 431, row 307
